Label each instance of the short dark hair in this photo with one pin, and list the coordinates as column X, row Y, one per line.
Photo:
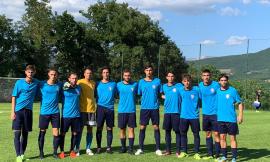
column 169, row 72
column 206, row 71
column 223, row 76
column 105, row 67
column 148, row 66
column 186, row 76
column 30, row 67
column 52, row 69
column 72, row 73
column 87, row 68
column 126, row 71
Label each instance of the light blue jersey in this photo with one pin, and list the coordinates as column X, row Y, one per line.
column 106, row 94
column 172, row 101
column 226, row 104
column 149, row 91
column 209, row 97
column 71, row 102
column 25, row 94
column 190, row 103
column 50, row 95
column 127, row 94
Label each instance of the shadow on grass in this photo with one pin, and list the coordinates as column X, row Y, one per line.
column 246, row 154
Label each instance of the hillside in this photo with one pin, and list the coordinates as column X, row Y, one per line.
column 252, row 65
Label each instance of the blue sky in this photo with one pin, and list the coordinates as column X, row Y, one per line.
column 221, row 26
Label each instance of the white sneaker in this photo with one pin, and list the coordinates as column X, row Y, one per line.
column 159, row 153
column 78, row 153
column 89, row 152
column 139, row 152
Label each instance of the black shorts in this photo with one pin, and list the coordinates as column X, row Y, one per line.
column 88, row 119
column 74, row 123
column 104, row 114
column 23, row 120
column 44, row 121
column 228, row 128
column 171, row 121
column 210, row 123
column 193, row 123
column 126, row 119
column 146, row 115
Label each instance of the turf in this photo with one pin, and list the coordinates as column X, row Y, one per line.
column 253, row 141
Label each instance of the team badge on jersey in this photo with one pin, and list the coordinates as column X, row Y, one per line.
column 110, row 88
column 192, row 96
column 227, row 96
column 174, row 90
column 212, row 90
column 132, row 89
column 154, row 86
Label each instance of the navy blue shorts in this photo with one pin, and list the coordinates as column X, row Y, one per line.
column 193, row 123
column 104, row 114
column 126, row 119
column 146, row 115
column 74, row 123
column 23, row 120
column 228, row 128
column 44, row 121
column 171, row 121
column 210, row 123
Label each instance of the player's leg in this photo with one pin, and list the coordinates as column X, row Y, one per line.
column 154, row 115
column 89, row 139
column 55, row 131
column 100, row 122
column 184, row 125
column 175, row 126
column 195, row 127
column 131, row 135
column 216, row 136
column 79, row 135
column 27, row 127
column 208, row 136
column 223, row 130
column 75, row 129
column 233, row 131
column 44, row 121
column 17, row 124
column 109, row 117
column 167, row 126
column 65, row 124
column 122, row 124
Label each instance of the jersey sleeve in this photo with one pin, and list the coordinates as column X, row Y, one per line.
column 139, row 92
column 237, row 97
column 16, row 89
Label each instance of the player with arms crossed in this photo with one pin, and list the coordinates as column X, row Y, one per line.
column 227, row 97
column 127, row 91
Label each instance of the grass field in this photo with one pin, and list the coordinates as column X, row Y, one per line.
column 254, row 142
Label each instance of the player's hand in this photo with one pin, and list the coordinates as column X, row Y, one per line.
column 163, row 96
column 12, row 116
column 240, row 119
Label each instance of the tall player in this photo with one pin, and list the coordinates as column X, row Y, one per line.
column 70, row 113
column 106, row 91
column 208, row 89
column 149, row 88
column 189, row 116
column 172, row 105
column 127, row 91
column 88, row 109
column 50, row 91
column 227, row 97
column 23, row 96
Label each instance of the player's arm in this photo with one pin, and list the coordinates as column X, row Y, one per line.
column 13, row 103
column 240, row 114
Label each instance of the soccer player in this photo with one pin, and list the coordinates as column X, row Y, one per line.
column 189, row 115
column 149, row 88
column 50, row 92
column 208, row 89
column 172, row 105
column 88, row 109
column 70, row 113
column 227, row 97
column 23, row 96
column 106, row 91
column 127, row 91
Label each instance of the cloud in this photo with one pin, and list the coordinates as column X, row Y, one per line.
column 246, row 1
column 208, row 42
column 236, row 40
column 154, row 15
column 267, row 2
column 229, row 11
column 12, row 9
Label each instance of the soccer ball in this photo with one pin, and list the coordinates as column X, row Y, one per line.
column 256, row 104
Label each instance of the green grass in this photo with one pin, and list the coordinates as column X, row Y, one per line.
column 253, row 141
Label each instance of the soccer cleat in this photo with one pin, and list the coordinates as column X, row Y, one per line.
column 130, row 151
column 109, row 150
column 182, row 155
column 222, row 159
column 122, row 150
column 89, row 152
column 72, row 154
column 208, row 157
column 19, row 159
column 167, row 153
column 61, row 155
column 55, row 156
column 158, row 153
column 177, row 154
column 98, row 151
column 139, row 152
column 23, row 158
column 197, row 156
column 41, row 155
column 234, row 160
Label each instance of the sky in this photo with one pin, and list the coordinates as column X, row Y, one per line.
column 222, row 27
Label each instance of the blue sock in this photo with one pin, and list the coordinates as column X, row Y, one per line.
column 209, row 144
column 89, row 138
column 184, row 142
column 141, row 138
column 109, row 138
column 17, row 142
column 123, row 143
column 131, row 143
column 196, row 142
column 41, row 140
column 168, row 139
column 157, row 139
column 234, row 153
column 24, row 140
column 78, row 140
column 56, row 140
column 178, row 142
column 224, row 152
column 217, row 147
